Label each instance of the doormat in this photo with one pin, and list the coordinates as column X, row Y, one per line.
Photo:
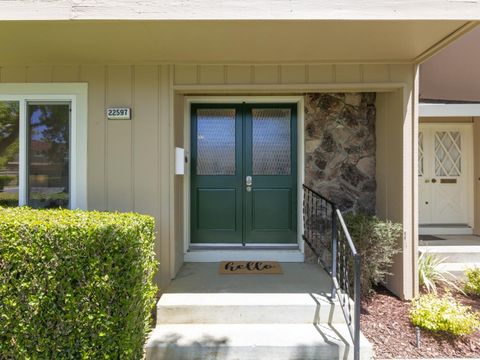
column 429, row 237
column 250, row 267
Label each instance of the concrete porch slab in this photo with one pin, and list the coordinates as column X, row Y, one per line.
column 205, row 278
column 200, row 294
column 206, row 315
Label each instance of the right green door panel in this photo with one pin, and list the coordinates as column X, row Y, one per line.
column 244, row 173
column 271, row 160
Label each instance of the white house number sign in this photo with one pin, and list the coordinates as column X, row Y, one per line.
column 119, row 114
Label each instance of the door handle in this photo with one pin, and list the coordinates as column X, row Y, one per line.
column 248, row 181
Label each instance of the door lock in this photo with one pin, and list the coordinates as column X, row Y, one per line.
column 434, row 181
column 248, row 181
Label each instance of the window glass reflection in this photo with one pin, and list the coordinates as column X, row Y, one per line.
column 9, row 128
column 48, row 155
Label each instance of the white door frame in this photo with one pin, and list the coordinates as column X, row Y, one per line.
column 296, row 255
column 467, row 136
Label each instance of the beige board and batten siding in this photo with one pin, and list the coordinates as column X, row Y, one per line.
column 396, row 139
column 396, row 174
column 130, row 163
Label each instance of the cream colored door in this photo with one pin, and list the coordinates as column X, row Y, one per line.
column 445, row 174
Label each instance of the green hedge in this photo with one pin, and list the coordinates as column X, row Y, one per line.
column 75, row 284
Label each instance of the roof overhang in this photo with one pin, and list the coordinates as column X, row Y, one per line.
column 225, row 42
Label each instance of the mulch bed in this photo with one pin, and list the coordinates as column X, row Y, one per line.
column 385, row 323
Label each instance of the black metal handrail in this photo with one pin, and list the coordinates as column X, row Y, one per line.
column 336, row 252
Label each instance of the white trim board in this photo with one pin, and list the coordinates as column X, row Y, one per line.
column 439, row 230
column 447, row 110
column 244, row 255
column 212, row 255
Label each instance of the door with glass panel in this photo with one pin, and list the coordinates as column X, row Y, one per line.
column 243, row 174
column 445, row 171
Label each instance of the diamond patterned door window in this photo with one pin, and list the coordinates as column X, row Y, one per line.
column 271, row 142
column 448, row 153
column 420, row 154
column 216, row 142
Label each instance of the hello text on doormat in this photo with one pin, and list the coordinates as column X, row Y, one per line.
column 250, row 267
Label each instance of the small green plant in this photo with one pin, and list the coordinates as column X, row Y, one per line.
column 443, row 314
column 430, row 273
column 376, row 242
column 472, row 284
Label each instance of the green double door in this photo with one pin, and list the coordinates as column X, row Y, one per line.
column 244, row 174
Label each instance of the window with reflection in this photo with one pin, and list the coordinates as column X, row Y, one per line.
column 48, row 154
column 9, row 150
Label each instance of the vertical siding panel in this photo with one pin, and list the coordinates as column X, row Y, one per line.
column 95, row 76
column 179, row 183
column 212, row 74
column 320, row 74
column 14, row 74
column 375, row 73
column 119, row 141
column 185, row 74
column 266, row 74
column 476, row 159
column 239, row 74
column 145, row 158
column 40, row 74
column 348, row 74
column 165, row 169
column 66, row 73
column 293, row 74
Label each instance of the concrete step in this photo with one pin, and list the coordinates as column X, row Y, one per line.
column 457, row 269
column 208, row 308
column 455, row 254
column 252, row 341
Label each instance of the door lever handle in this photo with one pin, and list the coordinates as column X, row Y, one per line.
column 248, row 181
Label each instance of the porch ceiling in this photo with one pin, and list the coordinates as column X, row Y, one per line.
column 245, row 41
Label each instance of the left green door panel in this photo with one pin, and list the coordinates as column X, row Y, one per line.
column 216, row 183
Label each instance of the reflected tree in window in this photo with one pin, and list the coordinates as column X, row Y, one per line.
column 9, row 130
column 48, row 166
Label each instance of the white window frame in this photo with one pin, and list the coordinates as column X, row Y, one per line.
column 76, row 95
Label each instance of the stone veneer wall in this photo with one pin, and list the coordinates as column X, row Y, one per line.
column 340, row 149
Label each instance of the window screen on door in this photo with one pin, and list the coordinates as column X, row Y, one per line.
column 448, row 153
column 271, row 150
column 216, row 142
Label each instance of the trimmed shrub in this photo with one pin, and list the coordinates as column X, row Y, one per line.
column 8, row 199
column 376, row 242
column 443, row 314
column 75, row 284
column 472, row 284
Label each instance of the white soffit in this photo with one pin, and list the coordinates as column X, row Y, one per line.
column 448, row 110
column 223, row 42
